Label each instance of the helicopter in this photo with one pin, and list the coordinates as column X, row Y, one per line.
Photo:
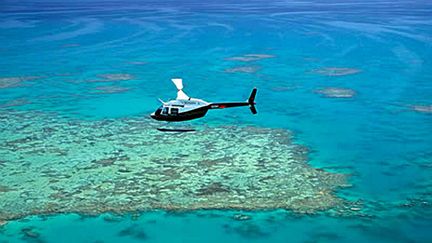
column 185, row 108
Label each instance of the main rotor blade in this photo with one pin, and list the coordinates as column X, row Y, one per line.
column 178, row 82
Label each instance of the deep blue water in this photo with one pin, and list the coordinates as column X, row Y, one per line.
column 377, row 135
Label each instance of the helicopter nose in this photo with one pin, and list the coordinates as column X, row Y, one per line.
column 153, row 115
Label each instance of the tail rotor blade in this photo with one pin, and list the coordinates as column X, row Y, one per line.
column 253, row 109
column 251, row 99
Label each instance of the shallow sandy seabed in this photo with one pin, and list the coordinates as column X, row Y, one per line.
column 243, row 69
column 336, row 71
column 55, row 165
column 336, row 92
column 422, row 108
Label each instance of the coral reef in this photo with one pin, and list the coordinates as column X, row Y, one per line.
column 110, row 89
column 422, row 108
column 116, row 76
column 250, row 57
column 283, row 88
column 243, row 69
column 112, row 77
column 54, row 165
column 70, row 45
column 137, row 63
column 12, row 82
column 336, row 71
column 334, row 92
column 13, row 103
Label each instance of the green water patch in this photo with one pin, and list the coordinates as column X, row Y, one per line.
column 53, row 165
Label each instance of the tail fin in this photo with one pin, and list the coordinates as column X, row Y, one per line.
column 251, row 101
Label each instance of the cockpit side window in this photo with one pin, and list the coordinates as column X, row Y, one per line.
column 165, row 111
column 174, row 111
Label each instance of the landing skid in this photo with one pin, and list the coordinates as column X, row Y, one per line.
column 174, row 130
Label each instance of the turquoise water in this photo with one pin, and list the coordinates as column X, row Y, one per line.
column 57, row 56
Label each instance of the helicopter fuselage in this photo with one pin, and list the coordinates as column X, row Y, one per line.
column 181, row 110
column 185, row 108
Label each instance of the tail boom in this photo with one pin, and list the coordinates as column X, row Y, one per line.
column 250, row 102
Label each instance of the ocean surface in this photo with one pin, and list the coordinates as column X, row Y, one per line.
column 352, row 81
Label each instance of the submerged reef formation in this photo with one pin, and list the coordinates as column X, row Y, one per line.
column 15, row 102
column 137, row 63
column 336, row 71
column 243, row 69
column 12, row 82
column 283, row 88
column 333, row 92
column 55, row 165
column 250, row 57
column 422, row 108
column 117, row 76
column 112, row 77
column 111, row 89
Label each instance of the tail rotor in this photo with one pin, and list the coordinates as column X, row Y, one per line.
column 251, row 101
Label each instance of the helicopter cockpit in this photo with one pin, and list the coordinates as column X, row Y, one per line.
column 176, row 108
column 167, row 110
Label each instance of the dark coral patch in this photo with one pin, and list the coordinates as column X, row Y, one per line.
column 133, row 231
column 13, row 103
column 248, row 230
column 336, row 71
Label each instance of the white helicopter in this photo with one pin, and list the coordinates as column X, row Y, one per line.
column 185, row 108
